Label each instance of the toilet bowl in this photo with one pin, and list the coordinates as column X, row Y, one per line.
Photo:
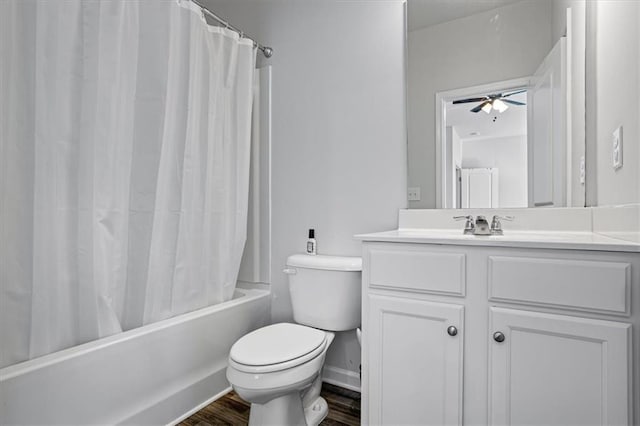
column 278, row 368
column 283, row 386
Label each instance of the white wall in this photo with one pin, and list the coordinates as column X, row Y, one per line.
column 617, row 100
column 505, row 43
column 509, row 156
column 338, row 123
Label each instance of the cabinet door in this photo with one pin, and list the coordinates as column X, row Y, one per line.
column 558, row 370
column 415, row 365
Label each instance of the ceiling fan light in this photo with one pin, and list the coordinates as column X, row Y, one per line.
column 487, row 107
column 500, row 106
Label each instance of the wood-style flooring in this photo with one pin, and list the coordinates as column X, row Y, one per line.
column 344, row 409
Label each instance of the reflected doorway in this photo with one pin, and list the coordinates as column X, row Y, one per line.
column 485, row 148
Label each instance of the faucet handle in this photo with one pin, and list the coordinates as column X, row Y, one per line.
column 496, row 226
column 468, row 225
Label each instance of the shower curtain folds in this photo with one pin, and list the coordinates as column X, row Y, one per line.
column 126, row 131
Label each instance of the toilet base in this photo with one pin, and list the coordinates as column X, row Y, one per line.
column 283, row 410
column 287, row 410
column 315, row 407
column 316, row 412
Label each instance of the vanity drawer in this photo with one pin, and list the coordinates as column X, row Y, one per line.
column 595, row 286
column 418, row 270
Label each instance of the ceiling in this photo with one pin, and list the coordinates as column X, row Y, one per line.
column 512, row 122
column 426, row 13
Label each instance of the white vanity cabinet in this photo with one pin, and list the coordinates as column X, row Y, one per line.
column 402, row 342
column 456, row 334
column 558, row 369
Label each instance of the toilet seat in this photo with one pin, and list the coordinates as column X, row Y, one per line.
column 277, row 347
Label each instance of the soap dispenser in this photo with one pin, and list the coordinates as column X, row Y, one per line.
column 311, row 243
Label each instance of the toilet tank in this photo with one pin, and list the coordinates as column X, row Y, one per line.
column 325, row 291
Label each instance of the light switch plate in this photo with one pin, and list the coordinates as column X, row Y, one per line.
column 413, row 193
column 616, row 152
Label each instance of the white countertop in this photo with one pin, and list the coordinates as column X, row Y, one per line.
column 523, row 239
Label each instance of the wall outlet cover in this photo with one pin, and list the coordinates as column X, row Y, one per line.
column 413, row 193
column 583, row 171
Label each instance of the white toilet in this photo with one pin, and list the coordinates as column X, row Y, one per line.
column 278, row 368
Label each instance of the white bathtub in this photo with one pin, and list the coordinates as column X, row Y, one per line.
column 156, row 374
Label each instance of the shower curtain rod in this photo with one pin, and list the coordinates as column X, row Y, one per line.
column 266, row 50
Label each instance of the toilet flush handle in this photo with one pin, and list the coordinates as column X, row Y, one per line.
column 289, row 271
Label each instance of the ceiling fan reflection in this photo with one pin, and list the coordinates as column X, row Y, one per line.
column 498, row 102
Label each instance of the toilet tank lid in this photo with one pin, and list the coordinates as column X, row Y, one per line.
column 332, row 263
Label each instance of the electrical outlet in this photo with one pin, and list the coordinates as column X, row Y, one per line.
column 413, row 193
column 617, row 148
column 583, row 170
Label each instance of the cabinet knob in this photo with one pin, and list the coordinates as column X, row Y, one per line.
column 452, row 330
column 498, row 337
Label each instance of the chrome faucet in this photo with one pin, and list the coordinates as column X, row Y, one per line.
column 481, row 226
column 469, row 227
column 496, row 226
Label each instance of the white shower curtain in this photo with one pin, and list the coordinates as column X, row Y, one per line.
column 125, row 132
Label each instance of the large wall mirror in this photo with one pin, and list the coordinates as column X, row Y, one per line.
column 498, row 92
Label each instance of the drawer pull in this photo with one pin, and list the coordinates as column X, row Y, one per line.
column 452, row 330
column 498, row 336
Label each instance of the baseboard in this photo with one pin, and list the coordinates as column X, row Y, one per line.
column 340, row 377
